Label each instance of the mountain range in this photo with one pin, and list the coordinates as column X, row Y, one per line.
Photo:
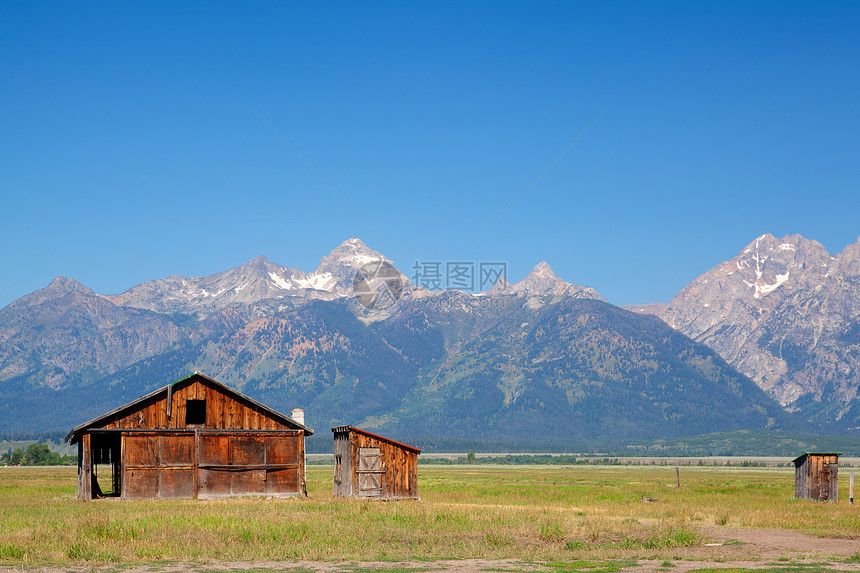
column 786, row 313
column 540, row 360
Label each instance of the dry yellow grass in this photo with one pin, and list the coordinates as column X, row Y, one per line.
column 522, row 512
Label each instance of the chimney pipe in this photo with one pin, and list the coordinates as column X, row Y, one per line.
column 298, row 415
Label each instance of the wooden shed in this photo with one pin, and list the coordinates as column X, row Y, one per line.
column 371, row 466
column 816, row 476
column 194, row 438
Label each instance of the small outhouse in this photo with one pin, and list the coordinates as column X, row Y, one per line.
column 816, row 476
column 371, row 466
column 194, row 438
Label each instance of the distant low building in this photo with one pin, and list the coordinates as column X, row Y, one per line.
column 374, row 467
column 816, row 476
column 194, row 438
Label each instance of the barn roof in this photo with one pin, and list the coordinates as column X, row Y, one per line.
column 337, row 429
column 95, row 422
column 801, row 456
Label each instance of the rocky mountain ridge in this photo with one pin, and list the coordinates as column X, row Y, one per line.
column 542, row 281
column 786, row 313
column 264, row 286
column 256, row 281
column 56, row 332
column 539, row 353
column 66, row 328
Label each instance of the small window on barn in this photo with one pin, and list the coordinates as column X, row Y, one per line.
column 195, row 412
column 338, row 469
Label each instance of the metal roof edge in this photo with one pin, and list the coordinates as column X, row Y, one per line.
column 347, row 428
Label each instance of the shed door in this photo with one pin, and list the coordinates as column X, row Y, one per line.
column 832, row 485
column 824, row 483
column 369, row 472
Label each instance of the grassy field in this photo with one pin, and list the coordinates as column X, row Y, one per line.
column 521, row 512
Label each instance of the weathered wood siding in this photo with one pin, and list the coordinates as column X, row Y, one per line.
column 159, row 447
column 222, row 411
column 212, row 464
column 342, row 465
column 816, row 477
column 85, row 468
column 376, row 468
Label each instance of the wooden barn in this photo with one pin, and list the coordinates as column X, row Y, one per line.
column 371, row 466
column 194, row 438
column 816, row 476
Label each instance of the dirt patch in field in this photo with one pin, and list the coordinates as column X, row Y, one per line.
column 776, row 543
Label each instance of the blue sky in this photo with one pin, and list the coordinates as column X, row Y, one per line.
column 132, row 145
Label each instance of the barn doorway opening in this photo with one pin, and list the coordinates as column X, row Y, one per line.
column 107, row 474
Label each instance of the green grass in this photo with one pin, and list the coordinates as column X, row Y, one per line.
column 563, row 517
column 664, row 538
column 590, row 566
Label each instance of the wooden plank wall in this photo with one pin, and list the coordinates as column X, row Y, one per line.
column 801, row 475
column 823, row 473
column 834, row 482
column 212, row 464
column 222, row 411
column 817, row 478
column 342, row 482
column 400, row 478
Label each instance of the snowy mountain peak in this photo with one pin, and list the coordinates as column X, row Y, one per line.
column 336, row 271
column 263, row 286
column 779, row 312
column 768, row 263
column 763, row 274
column 354, row 243
column 352, row 253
